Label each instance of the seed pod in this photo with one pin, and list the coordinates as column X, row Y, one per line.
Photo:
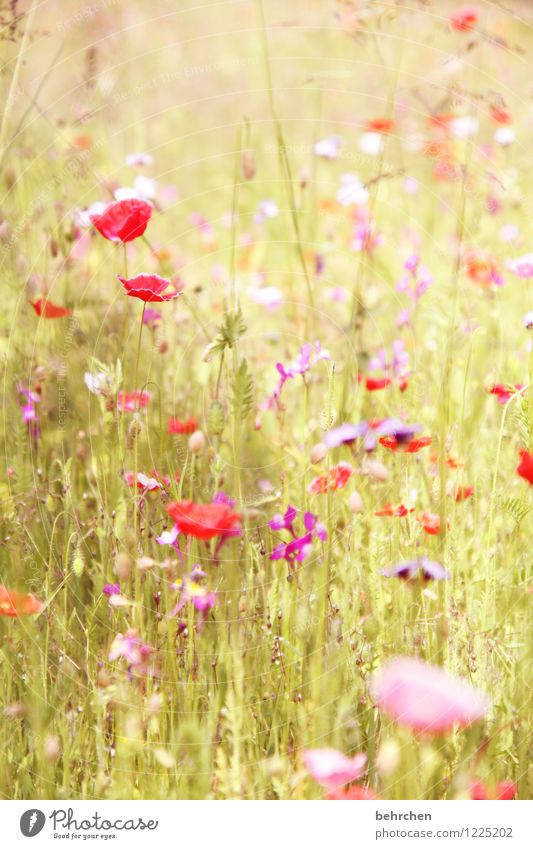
column 215, row 418
column 133, row 432
column 78, row 563
column 248, row 165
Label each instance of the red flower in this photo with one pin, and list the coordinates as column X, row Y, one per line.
column 148, row 288
column 379, row 125
column 123, row 220
column 525, row 466
column 502, row 791
column 463, row 492
column 351, row 793
column 500, row 115
column 338, row 478
column 130, row 401
column 412, row 446
column 179, row 426
column 374, row 383
column 389, row 510
column 504, row 392
column 430, row 522
column 203, row 521
column 482, row 268
column 45, row 308
column 13, row 603
column 464, row 19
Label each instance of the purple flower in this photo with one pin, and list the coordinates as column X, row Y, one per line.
column 308, row 357
column 298, row 548
column 344, row 434
column 192, row 590
column 111, row 589
column 423, row 567
column 285, row 522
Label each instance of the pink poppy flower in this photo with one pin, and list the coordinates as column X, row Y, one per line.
column 123, row 220
column 128, row 402
column 149, row 288
column 426, row 698
column 331, row 768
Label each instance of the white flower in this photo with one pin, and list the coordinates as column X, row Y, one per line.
column 371, row 143
column 504, row 136
column 351, row 191
column 267, row 296
column 139, row 160
column 328, row 148
column 97, row 383
column 463, row 127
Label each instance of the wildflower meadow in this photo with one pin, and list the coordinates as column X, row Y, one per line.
column 266, row 478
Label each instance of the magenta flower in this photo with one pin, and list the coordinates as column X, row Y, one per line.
column 308, row 357
column 426, row 698
column 523, row 266
column 299, row 547
column 331, row 768
column 111, row 589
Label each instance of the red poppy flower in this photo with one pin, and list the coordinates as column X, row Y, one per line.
column 123, row 220
column 411, row 446
column 338, row 478
column 500, row 115
column 13, row 603
column 379, row 125
column 203, row 521
column 430, row 522
column 130, row 401
column 464, row 19
column 505, row 391
column 451, row 462
column 390, row 510
column 45, row 308
column 482, row 268
column 441, row 120
column 374, row 383
column 525, row 466
column 148, row 288
column 354, row 792
column 179, row 426
column 503, row 791
column 461, row 493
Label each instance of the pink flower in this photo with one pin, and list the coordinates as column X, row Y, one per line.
column 131, row 647
column 523, row 266
column 331, row 768
column 426, row 698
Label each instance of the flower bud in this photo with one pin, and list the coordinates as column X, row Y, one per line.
column 196, row 442
column 123, row 566
column 355, row 503
column 376, row 470
column 318, row 452
column 248, row 165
